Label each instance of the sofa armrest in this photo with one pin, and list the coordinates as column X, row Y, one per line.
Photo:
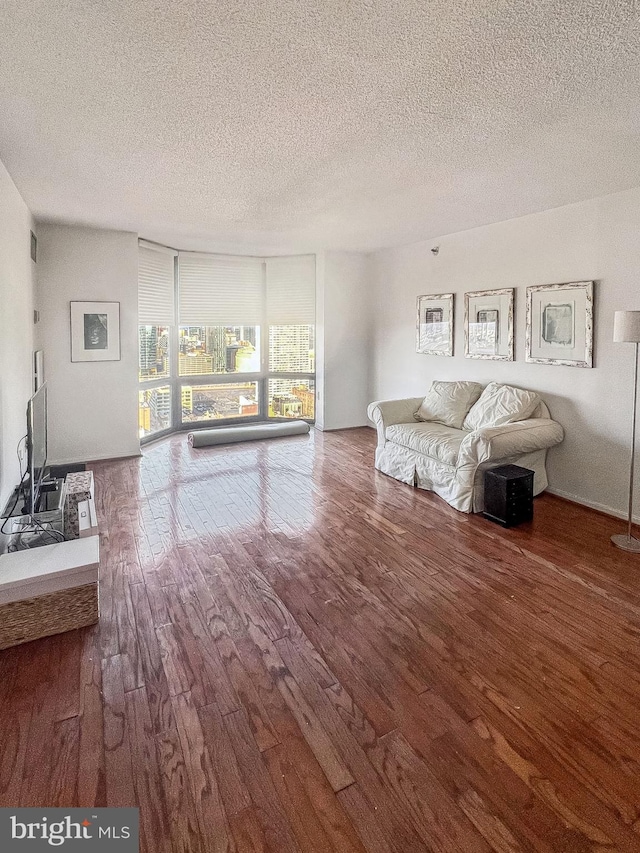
column 502, row 442
column 386, row 412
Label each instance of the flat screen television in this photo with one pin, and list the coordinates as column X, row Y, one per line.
column 36, row 446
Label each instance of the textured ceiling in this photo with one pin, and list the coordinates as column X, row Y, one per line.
column 275, row 125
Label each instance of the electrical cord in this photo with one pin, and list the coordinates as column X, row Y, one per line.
column 19, row 490
column 15, row 504
column 51, row 533
column 25, row 539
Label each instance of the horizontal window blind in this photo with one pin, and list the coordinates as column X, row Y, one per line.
column 156, row 288
column 217, row 290
column 291, row 290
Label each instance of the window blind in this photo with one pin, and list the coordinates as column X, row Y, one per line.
column 291, row 290
column 218, row 290
column 156, row 288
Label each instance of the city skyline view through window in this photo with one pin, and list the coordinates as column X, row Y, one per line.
column 223, row 350
column 218, row 349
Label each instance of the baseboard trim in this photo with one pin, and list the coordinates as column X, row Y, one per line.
column 76, row 459
column 599, row 507
column 343, row 428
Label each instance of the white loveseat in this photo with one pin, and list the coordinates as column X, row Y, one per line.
column 450, row 460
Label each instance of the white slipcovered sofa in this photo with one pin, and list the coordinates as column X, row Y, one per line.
column 445, row 441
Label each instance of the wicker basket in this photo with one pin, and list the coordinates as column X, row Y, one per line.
column 52, row 613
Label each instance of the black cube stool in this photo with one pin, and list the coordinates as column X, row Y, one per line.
column 508, row 495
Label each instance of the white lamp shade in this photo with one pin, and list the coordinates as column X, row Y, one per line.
column 626, row 326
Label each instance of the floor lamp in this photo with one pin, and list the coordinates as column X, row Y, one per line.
column 626, row 327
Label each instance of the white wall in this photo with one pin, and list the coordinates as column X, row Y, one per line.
column 17, row 276
column 598, row 239
column 92, row 405
column 343, row 354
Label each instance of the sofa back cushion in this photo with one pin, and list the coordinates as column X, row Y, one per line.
column 448, row 402
column 499, row 405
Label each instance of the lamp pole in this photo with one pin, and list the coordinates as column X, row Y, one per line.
column 628, row 543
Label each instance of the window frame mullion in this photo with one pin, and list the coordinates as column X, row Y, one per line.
column 174, row 351
column 263, row 385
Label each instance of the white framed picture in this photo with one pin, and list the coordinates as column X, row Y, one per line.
column 488, row 324
column 95, row 331
column 560, row 324
column 434, row 327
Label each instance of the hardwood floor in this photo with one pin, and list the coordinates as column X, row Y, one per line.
column 297, row 653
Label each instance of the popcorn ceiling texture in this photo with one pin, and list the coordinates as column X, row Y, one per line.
column 277, row 125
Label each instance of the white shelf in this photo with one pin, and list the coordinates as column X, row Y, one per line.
column 50, row 568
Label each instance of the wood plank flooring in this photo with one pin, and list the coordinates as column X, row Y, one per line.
column 297, row 654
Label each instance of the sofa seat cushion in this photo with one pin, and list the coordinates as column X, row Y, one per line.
column 430, row 439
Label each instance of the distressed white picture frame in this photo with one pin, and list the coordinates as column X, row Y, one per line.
column 560, row 324
column 434, row 324
column 488, row 324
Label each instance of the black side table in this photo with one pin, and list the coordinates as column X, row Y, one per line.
column 508, row 495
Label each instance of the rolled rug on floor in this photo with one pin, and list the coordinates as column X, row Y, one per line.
column 250, row 432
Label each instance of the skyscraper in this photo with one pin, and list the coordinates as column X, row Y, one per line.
column 194, row 364
column 186, row 397
column 248, row 333
column 160, row 408
column 148, row 343
column 291, row 349
column 232, row 352
column 216, row 346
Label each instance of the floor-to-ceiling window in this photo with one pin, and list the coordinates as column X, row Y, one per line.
column 290, row 338
column 224, row 339
column 156, row 333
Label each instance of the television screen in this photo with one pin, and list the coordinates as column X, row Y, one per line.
column 37, row 442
